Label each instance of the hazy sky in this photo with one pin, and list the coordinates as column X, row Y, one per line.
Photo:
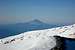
column 49, row 11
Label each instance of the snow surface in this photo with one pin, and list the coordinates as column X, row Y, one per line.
column 37, row 40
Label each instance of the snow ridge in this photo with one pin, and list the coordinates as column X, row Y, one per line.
column 37, row 40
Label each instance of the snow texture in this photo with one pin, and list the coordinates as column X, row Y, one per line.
column 37, row 40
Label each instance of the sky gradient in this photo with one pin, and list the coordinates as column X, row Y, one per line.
column 49, row 11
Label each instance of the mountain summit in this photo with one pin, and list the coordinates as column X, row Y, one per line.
column 37, row 21
column 37, row 40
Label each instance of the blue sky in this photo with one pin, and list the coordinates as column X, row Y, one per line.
column 49, row 11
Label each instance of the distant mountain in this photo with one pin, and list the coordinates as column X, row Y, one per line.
column 13, row 29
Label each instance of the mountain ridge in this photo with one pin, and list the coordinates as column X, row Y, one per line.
column 37, row 40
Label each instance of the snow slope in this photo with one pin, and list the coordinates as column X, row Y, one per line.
column 37, row 40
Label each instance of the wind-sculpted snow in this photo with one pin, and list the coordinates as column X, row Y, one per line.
column 37, row 40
